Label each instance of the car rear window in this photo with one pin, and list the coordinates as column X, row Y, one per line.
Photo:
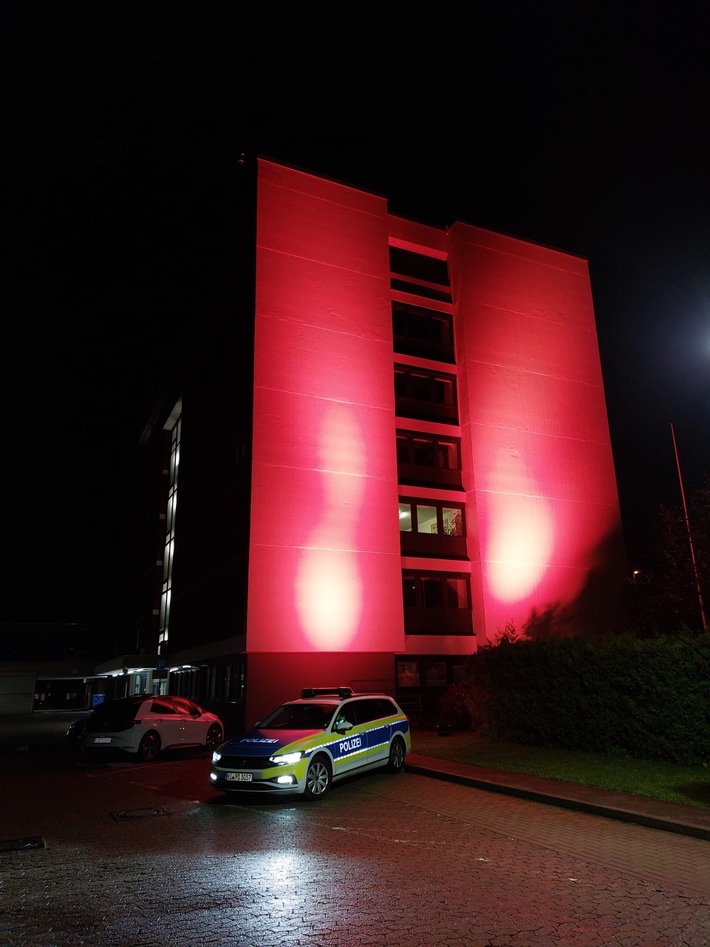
column 372, row 708
column 114, row 714
column 162, row 705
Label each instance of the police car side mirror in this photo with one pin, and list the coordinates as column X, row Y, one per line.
column 343, row 726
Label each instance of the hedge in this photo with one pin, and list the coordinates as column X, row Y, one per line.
column 643, row 698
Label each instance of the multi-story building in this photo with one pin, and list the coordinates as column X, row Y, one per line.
column 393, row 447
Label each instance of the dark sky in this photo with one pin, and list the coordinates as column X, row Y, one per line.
column 579, row 126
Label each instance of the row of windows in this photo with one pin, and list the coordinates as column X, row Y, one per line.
column 425, row 332
column 434, row 602
column 169, row 549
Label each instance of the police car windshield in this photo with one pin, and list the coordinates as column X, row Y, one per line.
column 310, row 716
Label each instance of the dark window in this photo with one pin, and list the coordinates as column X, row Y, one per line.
column 431, row 587
column 419, row 274
column 428, row 459
column 436, row 603
column 434, row 589
column 371, row 708
column 367, row 710
column 386, row 707
column 408, row 674
column 425, row 394
column 424, row 332
column 424, row 452
column 409, row 591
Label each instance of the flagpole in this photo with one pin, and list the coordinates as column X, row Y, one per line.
column 690, row 537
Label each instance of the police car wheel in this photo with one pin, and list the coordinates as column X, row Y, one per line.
column 214, row 737
column 395, row 764
column 317, row 778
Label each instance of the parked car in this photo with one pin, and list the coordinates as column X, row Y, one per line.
column 144, row 725
column 307, row 744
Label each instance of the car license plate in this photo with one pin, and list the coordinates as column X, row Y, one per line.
column 238, row 777
column 101, row 740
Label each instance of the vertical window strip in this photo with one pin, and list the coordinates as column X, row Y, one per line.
column 169, row 550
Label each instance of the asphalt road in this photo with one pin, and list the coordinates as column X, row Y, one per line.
column 131, row 855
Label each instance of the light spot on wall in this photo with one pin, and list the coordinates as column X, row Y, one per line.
column 329, row 584
column 521, row 529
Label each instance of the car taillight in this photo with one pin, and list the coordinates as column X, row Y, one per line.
column 137, row 721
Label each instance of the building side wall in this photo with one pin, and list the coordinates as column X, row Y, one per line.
column 209, row 585
column 537, row 460
column 17, row 692
column 282, row 676
column 324, row 572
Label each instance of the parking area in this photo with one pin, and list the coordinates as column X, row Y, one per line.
column 148, row 854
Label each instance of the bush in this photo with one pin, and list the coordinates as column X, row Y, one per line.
column 644, row 698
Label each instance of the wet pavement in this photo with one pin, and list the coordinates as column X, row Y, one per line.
column 624, row 807
column 148, row 855
column 24, row 733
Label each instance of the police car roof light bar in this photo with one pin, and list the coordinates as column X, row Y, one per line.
column 323, row 691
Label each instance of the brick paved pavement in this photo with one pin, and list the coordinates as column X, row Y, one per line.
column 624, row 807
column 149, row 856
column 382, row 862
column 47, row 730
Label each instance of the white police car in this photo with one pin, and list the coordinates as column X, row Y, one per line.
column 307, row 744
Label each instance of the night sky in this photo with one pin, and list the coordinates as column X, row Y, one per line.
column 578, row 126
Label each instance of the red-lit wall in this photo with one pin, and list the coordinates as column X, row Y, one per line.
column 538, row 467
column 324, row 597
column 324, row 572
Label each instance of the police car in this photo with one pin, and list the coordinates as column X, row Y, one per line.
column 307, row 744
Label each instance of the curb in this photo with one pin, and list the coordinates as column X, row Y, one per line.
column 565, row 802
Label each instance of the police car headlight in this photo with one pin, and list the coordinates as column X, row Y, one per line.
column 216, row 756
column 284, row 759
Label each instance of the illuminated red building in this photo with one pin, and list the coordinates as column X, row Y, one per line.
column 395, row 448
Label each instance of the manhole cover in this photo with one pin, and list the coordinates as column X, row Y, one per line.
column 22, row 844
column 124, row 815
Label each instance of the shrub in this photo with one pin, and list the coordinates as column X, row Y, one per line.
column 643, row 698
